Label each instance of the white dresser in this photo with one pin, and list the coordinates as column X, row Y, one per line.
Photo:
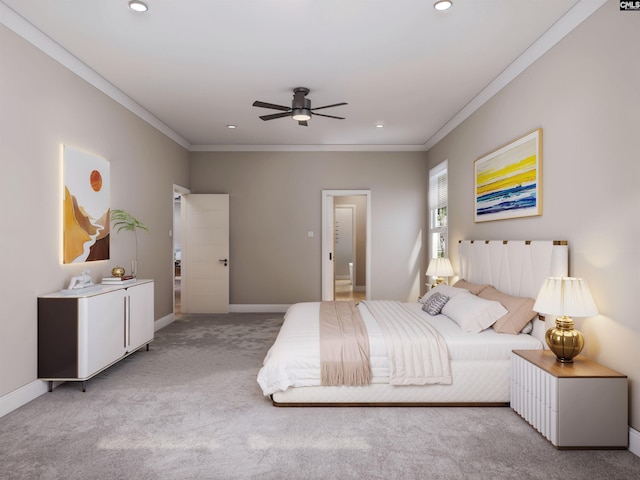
column 81, row 334
column 573, row 405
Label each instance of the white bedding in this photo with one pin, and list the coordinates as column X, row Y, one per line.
column 294, row 358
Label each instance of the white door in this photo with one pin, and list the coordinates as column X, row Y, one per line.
column 101, row 331
column 140, row 311
column 328, row 257
column 205, row 253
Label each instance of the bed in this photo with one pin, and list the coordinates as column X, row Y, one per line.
column 476, row 371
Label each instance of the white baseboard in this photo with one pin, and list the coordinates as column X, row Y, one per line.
column 267, row 308
column 23, row 395
column 634, row 441
column 163, row 322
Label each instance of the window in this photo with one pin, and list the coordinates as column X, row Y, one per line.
column 438, row 209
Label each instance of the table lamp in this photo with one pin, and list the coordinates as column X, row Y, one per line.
column 439, row 268
column 565, row 297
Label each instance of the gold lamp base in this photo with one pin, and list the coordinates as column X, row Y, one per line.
column 563, row 340
column 438, row 281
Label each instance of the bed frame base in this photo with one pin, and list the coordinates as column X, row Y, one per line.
column 388, row 404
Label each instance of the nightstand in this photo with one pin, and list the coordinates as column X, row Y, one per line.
column 573, row 405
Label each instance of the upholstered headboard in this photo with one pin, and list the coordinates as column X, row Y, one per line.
column 515, row 267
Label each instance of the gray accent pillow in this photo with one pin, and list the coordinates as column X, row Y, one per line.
column 434, row 304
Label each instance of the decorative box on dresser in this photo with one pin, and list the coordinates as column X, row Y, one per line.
column 82, row 333
column 573, row 405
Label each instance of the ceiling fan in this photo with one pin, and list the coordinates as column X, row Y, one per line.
column 299, row 110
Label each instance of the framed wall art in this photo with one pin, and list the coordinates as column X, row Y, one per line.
column 85, row 217
column 508, row 181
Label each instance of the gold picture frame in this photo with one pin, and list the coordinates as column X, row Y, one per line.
column 508, row 181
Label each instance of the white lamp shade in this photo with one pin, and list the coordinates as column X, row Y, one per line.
column 565, row 296
column 440, row 267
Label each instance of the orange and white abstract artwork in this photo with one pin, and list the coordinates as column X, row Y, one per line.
column 86, row 207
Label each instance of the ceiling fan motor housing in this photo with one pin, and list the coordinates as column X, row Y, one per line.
column 300, row 110
column 300, row 99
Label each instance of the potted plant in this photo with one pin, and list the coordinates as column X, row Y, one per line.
column 125, row 221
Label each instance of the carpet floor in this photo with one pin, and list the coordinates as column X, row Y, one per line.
column 190, row 408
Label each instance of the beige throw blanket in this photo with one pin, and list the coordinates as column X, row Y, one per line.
column 344, row 345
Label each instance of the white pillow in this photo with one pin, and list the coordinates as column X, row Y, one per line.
column 472, row 313
column 445, row 290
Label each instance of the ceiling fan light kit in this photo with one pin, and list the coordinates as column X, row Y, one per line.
column 300, row 109
column 301, row 114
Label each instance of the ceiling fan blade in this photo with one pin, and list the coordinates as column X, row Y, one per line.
column 328, row 116
column 329, row 106
column 270, row 105
column 275, row 115
column 303, row 123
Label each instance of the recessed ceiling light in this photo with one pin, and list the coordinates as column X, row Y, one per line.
column 231, row 127
column 380, row 125
column 443, row 5
column 138, row 6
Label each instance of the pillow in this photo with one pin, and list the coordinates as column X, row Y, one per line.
column 528, row 328
column 472, row 313
column 443, row 289
column 434, row 304
column 520, row 310
column 474, row 288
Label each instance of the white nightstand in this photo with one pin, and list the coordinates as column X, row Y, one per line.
column 573, row 405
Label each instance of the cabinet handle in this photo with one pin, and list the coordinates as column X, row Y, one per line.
column 124, row 316
column 127, row 321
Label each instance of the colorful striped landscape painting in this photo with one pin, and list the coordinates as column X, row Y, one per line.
column 508, row 182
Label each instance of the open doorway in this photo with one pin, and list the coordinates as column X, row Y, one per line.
column 349, row 271
column 178, row 192
column 346, row 245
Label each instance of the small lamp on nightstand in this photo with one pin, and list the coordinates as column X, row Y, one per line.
column 439, row 267
column 565, row 297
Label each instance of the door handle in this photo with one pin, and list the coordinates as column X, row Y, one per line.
column 226, row 261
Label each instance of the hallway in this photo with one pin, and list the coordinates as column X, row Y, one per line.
column 344, row 291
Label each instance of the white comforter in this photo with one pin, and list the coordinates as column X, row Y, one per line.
column 294, row 358
column 417, row 352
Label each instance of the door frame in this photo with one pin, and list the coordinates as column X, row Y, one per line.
column 180, row 190
column 328, row 232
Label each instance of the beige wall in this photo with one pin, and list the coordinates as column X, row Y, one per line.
column 42, row 106
column 275, row 199
column 585, row 95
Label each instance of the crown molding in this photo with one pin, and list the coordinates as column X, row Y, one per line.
column 307, row 148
